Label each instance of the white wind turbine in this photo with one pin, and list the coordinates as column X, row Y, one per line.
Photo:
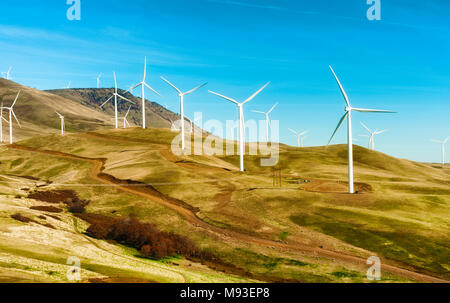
column 125, row 121
column 7, row 75
column 372, row 136
column 299, row 136
column 143, row 84
column 443, row 143
column 181, row 95
column 348, row 115
column 1, row 123
column 267, row 119
column 98, row 80
column 63, row 125
column 241, row 121
column 68, row 85
column 11, row 114
column 115, row 95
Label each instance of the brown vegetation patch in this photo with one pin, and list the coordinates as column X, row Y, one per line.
column 53, row 196
column 50, row 209
column 68, row 197
column 22, row 218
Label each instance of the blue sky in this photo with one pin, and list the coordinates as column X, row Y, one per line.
column 399, row 63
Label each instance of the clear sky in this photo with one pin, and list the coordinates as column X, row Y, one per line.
column 399, row 63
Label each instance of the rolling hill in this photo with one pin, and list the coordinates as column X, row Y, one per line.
column 157, row 116
column 306, row 230
column 81, row 108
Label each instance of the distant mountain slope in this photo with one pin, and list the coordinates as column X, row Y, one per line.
column 157, row 116
column 35, row 110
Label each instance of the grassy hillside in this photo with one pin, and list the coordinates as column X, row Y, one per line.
column 307, row 230
column 36, row 112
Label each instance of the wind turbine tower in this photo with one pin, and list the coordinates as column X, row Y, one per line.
column 144, row 84
column 348, row 115
column 443, row 143
column 63, row 125
column 182, row 95
column 11, row 115
column 267, row 119
column 115, row 96
column 241, row 121
column 372, row 136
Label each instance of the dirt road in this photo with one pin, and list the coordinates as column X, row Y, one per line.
column 190, row 215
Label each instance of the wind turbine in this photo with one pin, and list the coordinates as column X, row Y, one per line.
column 11, row 114
column 7, row 75
column 372, row 136
column 267, row 119
column 125, row 121
column 115, row 95
column 63, row 125
column 299, row 136
column 143, row 84
column 68, row 85
column 241, row 120
column 348, row 115
column 1, row 124
column 98, row 80
column 443, row 143
column 181, row 95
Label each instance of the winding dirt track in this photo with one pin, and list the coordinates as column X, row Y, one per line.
column 190, row 215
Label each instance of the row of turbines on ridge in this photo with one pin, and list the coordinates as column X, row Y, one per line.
column 240, row 106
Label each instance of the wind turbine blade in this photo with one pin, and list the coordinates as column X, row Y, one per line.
column 128, row 112
column 363, row 110
column 273, row 107
column 446, row 140
column 123, row 98
column 115, row 81
column 168, row 82
column 341, row 87
column 152, row 89
column 255, row 94
column 381, row 132
column 226, row 98
column 258, row 112
column 293, row 131
column 106, row 101
column 304, row 133
column 194, row 89
column 17, row 97
column 15, row 117
column 133, row 87
column 145, row 69
column 366, row 127
column 339, row 126
column 436, row 141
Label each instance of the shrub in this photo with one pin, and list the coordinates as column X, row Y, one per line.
column 146, row 237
